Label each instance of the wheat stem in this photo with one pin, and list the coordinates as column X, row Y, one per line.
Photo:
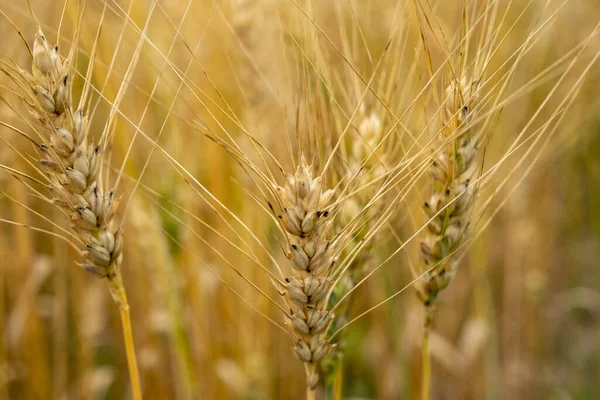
column 426, row 353
column 120, row 297
column 310, row 389
column 338, row 382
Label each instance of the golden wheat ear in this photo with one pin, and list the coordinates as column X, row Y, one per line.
column 305, row 205
column 71, row 167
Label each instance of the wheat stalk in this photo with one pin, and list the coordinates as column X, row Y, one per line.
column 71, row 166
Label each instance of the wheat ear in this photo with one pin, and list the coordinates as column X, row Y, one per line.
column 305, row 220
column 448, row 207
column 72, row 168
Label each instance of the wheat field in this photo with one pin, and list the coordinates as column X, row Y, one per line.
column 299, row 199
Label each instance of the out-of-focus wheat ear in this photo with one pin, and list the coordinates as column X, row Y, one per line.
column 362, row 168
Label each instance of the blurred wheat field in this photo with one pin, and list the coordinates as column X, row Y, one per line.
column 210, row 99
